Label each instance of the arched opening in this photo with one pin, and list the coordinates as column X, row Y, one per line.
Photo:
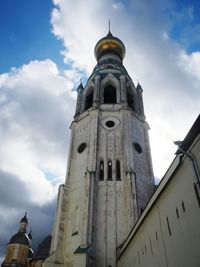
column 130, row 98
column 101, row 174
column 109, row 170
column 110, row 96
column 118, row 171
column 89, row 99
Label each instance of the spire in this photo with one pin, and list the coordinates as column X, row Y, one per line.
column 23, row 224
column 80, row 87
column 24, row 219
column 139, row 87
column 109, row 32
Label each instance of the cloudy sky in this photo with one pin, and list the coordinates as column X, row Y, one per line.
column 46, row 47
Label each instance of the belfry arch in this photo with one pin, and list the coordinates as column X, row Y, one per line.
column 110, row 96
column 110, row 90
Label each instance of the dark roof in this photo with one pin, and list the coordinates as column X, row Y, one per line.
column 139, row 87
column 190, row 137
column 24, row 219
column 43, row 249
column 30, row 235
column 20, row 238
column 82, row 250
column 80, row 86
column 30, row 253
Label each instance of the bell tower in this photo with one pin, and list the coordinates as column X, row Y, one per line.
column 109, row 178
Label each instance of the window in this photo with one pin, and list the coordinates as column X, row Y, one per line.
column 168, row 226
column 151, row 245
column 89, row 100
column 197, row 194
column 110, row 124
column 156, row 236
column 177, row 213
column 183, row 206
column 82, row 147
column 109, row 170
column 118, row 171
column 110, row 95
column 101, row 174
column 137, row 147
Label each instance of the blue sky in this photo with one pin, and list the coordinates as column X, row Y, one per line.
column 46, row 47
column 26, row 33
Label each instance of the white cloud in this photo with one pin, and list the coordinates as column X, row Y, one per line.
column 36, row 100
column 37, row 104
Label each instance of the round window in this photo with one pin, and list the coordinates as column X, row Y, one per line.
column 110, row 124
column 137, row 147
column 82, row 147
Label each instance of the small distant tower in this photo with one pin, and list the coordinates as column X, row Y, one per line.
column 19, row 247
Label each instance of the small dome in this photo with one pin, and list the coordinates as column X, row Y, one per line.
column 109, row 44
column 20, row 238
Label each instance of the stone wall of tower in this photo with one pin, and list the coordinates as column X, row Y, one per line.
column 118, row 204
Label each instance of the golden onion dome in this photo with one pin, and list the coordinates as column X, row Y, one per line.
column 109, row 44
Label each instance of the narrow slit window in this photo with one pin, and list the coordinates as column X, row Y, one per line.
column 118, row 171
column 197, row 194
column 151, row 245
column 101, row 175
column 109, row 170
column 177, row 213
column 138, row 257
column 168, row 226
column 183, row 206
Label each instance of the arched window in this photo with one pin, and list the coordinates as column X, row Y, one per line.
column 110, row 96
column 118, row 171
column 89, row 100
column 130, row 98
column 101, row 174
column 109, row 170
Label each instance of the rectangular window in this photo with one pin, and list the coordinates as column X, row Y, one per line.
column 168, row 226
column 139, row 257
column 177, row 213
column 197, row 194
column 118, row 171
column 151, row 245
column 183, row 206
column 156, row 236
column 101, row 174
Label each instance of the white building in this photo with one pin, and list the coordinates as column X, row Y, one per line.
column 167, row 233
